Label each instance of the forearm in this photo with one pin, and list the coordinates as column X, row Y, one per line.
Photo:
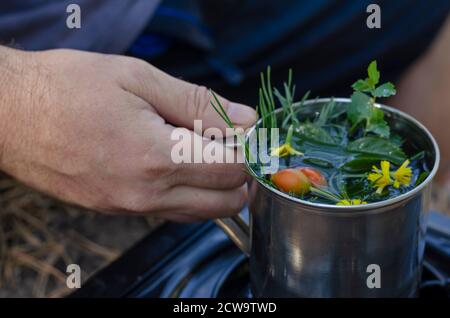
column 8, row 68
column 11, row 70
column 17, row 91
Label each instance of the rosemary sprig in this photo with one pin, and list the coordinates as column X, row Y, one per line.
column 217, row 105
column 287, row 102
column 267, row 102
column 292, row 116
column 325, row 194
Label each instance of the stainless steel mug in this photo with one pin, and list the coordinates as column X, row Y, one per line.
column 304, row 249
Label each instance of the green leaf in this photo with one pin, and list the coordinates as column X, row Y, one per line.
column 421, row 178
column 325, row 113
column 318, row 162
column 376, row 123
column 292, row 116
column 360, row 108
column 381, row 129
column 313, row 132
column 361, row 163
column 338, row 132
column 362, row 86
column 417, row 156
column 378, row 147
column 374, row 74
column 385, row 90
column 397, row 140
column 377, row 114
column 356, row 187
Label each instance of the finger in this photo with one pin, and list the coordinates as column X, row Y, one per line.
column 212, row 176
column 205, row 163
column 180, row 102
column 185, row 217
column 202, row 204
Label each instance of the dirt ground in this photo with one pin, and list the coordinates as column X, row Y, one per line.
column 40, row 236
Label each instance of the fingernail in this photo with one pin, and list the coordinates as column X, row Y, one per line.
column 241, row 115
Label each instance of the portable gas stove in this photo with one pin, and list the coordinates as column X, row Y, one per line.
column 198, row 260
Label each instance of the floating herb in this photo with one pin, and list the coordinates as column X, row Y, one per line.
column 286, row 149
column 362, row 108
column 343, row 154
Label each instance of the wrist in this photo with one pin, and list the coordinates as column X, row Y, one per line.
column 15, row 93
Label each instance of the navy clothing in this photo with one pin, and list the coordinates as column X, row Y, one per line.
column 108, row 26
column 226, row 43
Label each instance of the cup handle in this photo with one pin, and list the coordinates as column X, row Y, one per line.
column 237, row 230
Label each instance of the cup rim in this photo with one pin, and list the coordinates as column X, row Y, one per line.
column 362, row 207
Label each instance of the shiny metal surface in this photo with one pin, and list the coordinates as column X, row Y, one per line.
column 306, row 249
column 238, row 231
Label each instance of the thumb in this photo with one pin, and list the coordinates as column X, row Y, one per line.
column 180, row 102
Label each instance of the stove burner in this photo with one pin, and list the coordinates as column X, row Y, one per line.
column 198, row 260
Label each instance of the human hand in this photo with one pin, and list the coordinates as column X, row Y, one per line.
column 94, row 130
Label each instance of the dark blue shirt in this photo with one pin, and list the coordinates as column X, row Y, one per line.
column 326, row 42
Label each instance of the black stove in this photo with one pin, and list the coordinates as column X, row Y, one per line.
column 198, row 260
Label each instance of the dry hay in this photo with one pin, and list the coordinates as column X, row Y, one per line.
column 40, row 236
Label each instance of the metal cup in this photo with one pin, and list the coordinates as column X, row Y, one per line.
column 304, row 249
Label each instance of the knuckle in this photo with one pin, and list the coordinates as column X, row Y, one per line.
column 239, row 201
column 161, row 169
column 137, row 201
column 134, row 69
column 137, row 67
column 110, row 61
column 134, row 198
column 126, row 61
column 231, row 176
column 198, row 101
column 238, row 176
column 105, row 202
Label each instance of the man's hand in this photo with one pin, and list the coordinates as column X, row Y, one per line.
column 95, row 129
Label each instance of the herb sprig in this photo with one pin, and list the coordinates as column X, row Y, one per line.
column 351, row 143
column 362, row 109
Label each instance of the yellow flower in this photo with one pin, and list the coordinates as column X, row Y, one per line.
column 382, row 178
column 286, row 149
column 351, row 202
column 403, row 175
